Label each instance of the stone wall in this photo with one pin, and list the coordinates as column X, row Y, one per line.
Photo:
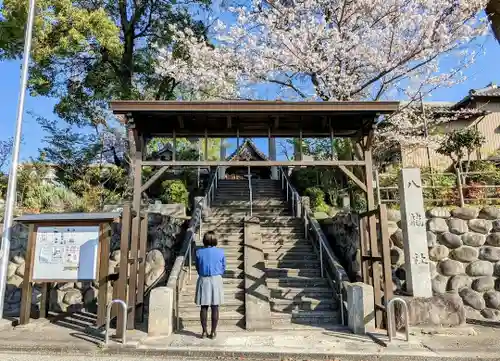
column 464, row 254
column 164, row 234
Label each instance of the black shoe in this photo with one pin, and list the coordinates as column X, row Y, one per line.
column 213, row 335
column 204, row 334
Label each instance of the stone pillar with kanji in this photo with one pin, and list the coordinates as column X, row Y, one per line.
column 418, row 274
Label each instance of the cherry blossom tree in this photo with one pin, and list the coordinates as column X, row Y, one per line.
column 329, row 49
column 335, row 50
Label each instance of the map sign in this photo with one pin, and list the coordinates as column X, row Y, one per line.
column 66, row 253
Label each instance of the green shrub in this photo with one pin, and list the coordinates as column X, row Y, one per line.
column 174, row 191
column 316, row 195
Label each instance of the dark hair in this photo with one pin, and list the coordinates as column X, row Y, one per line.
column 209, row 239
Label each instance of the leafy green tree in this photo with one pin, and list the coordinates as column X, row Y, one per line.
column 86, row 53
column 459, row 146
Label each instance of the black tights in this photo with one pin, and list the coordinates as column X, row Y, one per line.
column 204, row 317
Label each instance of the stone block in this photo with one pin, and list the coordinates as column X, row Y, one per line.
column 450, row 240
column 465, row 254
column 491, row 213
column 457, row 226
column 493, row 239
column 438, row 212
column 445, row 310
column 361, row 306
column 465, row 213
column 480, row 268
column 483, row 226
column 456, row 283
column 437, row 225
column 438, row 253
column 473, row 239
column 161, row 311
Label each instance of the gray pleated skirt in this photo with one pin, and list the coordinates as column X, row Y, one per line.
column 209, row 291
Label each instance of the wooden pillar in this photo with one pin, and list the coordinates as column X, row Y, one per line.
column 134, row 244
column 27, row 287
column 372, row 230
column 142, row 267
column 121, row 283
column 102, row 301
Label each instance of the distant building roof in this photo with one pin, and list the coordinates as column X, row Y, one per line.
column 247, row 151
column 490, row 91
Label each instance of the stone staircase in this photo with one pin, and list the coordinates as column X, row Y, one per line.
column 299, row 297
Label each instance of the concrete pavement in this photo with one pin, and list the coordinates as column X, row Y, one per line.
column 43, row 338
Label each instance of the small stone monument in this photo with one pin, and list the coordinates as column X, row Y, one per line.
column 418, row 275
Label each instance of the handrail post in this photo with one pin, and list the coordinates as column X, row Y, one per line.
column 249, row 176
column 190, row 257
column 321, row 257
column 293, row 204
column 108, row 320
column 391, row 318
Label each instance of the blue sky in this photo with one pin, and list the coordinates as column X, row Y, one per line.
column 485, row 70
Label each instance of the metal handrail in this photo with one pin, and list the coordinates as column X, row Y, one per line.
column 197, row 217
column 250, row 191
column 108, row 320
column 391, row 318
column 195, row 225
column 306, row 215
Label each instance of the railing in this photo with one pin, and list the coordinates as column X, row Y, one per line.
column 337, row 273
column 183, row 262
column 391, row 318
column 445, row 188
column 123, row 305
column 250, row 191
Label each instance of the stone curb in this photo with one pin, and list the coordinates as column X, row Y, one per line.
column 203, row 354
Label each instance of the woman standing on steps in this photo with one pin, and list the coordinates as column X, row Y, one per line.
column 210, row 265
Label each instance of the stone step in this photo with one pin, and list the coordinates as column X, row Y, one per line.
column 225, row 318
column 296, row 282
column 196, row 329
column 273, row 211
column 291, row 272
column 285, row 239
column 237, row 193
column 307, row 253
column 306, row 317
column 229, row 294
column 281, row 221
column 229, row 305
column 287, row 292
column 297, row 231
column 229, row 283
column 298, row 264
column 302, row 304
column 286, row 226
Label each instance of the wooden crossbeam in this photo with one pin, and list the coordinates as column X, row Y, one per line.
column 153, row 178
column 251, row 163
column 351, row 175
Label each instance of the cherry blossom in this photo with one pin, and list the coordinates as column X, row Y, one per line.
column 329, row 49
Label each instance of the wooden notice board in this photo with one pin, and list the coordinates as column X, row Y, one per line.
column 66, row 247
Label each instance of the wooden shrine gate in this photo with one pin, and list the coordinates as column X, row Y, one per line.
column 376, row 259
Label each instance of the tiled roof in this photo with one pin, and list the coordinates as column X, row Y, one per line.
column 492, row 90
column 247, row 144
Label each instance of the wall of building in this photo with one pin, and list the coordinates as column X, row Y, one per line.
column 488, row 125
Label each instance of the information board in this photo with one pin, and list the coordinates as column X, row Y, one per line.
column 66, row 253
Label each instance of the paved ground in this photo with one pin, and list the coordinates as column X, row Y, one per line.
column 71, row 340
